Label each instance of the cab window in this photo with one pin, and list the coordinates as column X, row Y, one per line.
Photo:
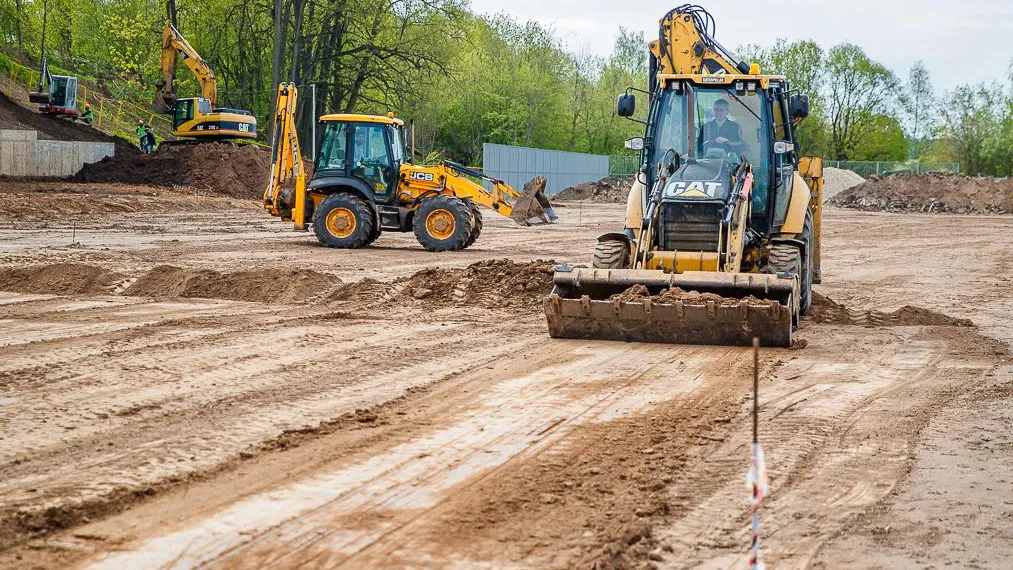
column 371, row 161
column 332, row 147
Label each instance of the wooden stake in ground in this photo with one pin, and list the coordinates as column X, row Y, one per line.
column 757, row 476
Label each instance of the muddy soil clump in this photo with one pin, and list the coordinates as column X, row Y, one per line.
column 639, row 293
column 226, row 169
column 611, row 189
column 283, row 286
column 827, row 311
column 489, row 283
column 934, row 192
column 59, row 279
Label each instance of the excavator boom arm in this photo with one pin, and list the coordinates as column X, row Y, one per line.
column 174, row 45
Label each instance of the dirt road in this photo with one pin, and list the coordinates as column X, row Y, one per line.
column 282, row 405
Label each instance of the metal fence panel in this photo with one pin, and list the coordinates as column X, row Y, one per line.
column 867, row 168
column 517, row 165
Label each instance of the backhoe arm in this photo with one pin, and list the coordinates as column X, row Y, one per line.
column 286, row 162
column 173, row 45
column 686, row 44
column 526, row 208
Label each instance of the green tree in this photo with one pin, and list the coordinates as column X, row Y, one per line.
column 858, row 91
column 918, row 101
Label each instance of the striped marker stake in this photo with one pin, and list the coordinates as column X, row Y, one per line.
column 757, row 477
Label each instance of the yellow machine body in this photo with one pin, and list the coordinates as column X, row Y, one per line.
column 722, row 231
column 363, row 183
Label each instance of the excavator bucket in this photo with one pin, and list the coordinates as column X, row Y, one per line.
column 694, row 307
column 40, row 97
column 533, row 207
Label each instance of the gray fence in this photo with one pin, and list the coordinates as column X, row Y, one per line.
column 517, row 164
column 867, row 168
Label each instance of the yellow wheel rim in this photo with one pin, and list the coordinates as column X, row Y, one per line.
column 440, row 224
column 341, row 222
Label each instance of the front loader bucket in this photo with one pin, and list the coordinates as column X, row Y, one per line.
column 695, row 307
column 40, row 97
column 533, row 207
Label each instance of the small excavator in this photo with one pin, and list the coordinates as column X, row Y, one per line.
column 196, row 118
column 364, row 184
column 721, row 241
column 56, row 95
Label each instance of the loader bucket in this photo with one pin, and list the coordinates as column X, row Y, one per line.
column 695, row 307
column 533, row 207
column 40, row 97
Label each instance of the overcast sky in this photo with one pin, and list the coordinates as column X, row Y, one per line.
column 967, row 41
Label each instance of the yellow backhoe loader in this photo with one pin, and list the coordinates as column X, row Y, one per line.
column 721, row 242
column 196, row 118
column 363, row 184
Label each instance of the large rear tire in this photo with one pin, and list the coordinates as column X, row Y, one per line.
column 443, row 223
column 343, row 221
column 807, row 266
column 476, row 230
column 611, row 254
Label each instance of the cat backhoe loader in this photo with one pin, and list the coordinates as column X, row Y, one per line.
column 363, row 184
column 721, row 242
column 196, row 118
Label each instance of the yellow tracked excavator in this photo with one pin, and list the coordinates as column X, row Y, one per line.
column 721, row 242
column 363, row 184
column 196, row 118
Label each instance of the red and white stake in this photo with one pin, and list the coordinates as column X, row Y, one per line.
column 757, row 476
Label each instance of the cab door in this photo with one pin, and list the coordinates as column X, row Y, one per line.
column 372, row 161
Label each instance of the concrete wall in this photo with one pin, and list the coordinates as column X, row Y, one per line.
column 22, row 154
column 518, row 164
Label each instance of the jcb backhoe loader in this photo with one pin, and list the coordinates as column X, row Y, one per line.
column 722, row 235
column 196, row 117
column 364, row 184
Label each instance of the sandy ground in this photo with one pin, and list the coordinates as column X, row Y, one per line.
column 372, row 423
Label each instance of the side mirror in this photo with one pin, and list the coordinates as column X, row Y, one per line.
column 626, row 104
column 798, row 106
column 635, row 143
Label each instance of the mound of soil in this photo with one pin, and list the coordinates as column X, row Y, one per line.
column 611, row 189
column 59, row 279
column 934, row 192
column 825, row 310
column 238, row 171
column 264, row 285
column 490, row 283
column 837, row 180
column 17, row 117
column 638, row 293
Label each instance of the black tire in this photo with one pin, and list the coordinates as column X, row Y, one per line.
column 376, row 233
column 335, row 214
column 611, row 254
column 476, row 230
column 806, row 278
column 443, row 223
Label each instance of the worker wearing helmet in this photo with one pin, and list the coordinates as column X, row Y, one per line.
column 142, row 135
column 88, row 114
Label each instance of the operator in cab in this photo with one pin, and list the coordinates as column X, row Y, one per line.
column 721, row 132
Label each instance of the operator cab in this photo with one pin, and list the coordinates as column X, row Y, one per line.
column 62, row 96
column 367, row 149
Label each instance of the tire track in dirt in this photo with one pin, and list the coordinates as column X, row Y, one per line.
column 511, row 418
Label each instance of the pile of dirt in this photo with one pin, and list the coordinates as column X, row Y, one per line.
column 638, row 293
column 59, row 279
column 837, row 180
column 611, row 189
column 827, row 311
column 234, row 170
column 16, row 117
column 264, row 285
column 934, row 192
column 490, row 283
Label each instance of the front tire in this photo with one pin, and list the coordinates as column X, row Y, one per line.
column 807, row 265
column 343, row 221
column 443, row 223
column 611, row 254
column 476, row 229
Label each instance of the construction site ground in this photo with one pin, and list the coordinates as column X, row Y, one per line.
column 185, row 382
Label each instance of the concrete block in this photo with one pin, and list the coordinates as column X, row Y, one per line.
column 18, row 135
